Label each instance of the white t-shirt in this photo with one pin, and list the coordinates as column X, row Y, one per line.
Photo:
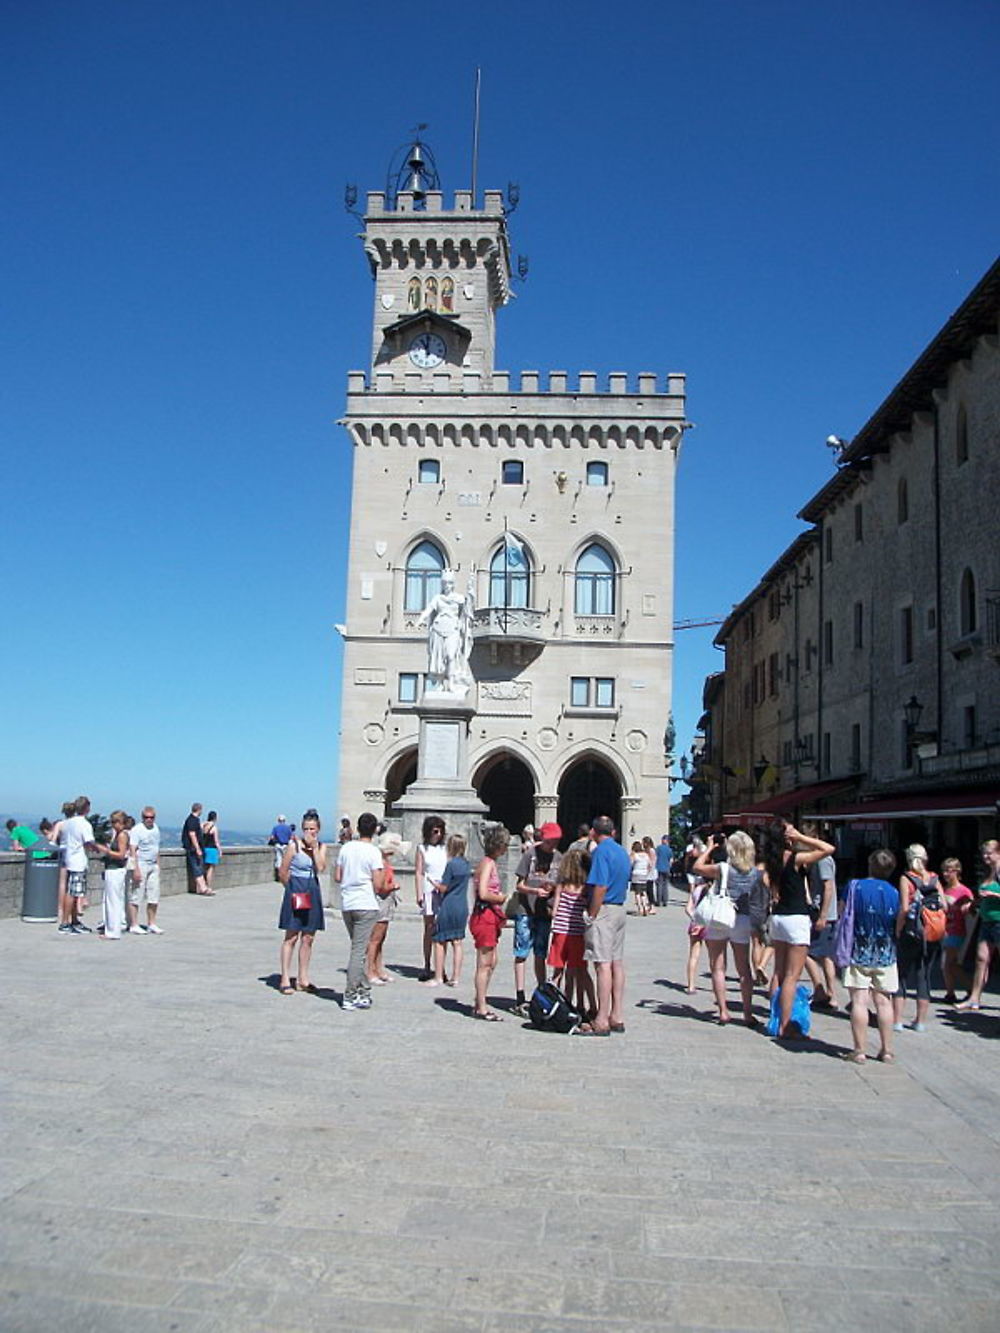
column 146, row 843
column 76, row 833
column 818, row 872
column 356, row 863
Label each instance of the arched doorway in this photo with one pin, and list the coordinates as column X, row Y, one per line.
column 588, row 788
column 504, row 783
column 401, row 773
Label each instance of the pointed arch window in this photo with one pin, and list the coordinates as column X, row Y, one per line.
column 968, row 617
column 510, row 575
column 594, row 593
column 424, row 566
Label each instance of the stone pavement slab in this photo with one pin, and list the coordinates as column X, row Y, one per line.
column 186, row 1150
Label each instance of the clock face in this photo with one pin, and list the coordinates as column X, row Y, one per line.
column 427, row 351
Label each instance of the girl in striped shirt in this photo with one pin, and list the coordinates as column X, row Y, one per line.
column 566, row 942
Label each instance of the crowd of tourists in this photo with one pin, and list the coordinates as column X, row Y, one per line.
column 771, row 898
column 129, row 851
column 886, row 936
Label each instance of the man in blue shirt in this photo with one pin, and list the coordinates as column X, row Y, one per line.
column 663, row 863
column 281, row 836
column 607, row 893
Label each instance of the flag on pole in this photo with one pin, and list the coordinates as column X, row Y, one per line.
column 514, row 552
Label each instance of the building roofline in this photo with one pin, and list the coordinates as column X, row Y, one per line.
column 978, row 314
column 784, row 562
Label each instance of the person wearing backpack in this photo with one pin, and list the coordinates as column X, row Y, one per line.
column 920, row 929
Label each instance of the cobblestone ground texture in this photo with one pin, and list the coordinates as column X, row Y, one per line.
column 186, row 1150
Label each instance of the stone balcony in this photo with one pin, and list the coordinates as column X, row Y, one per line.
column 519, row 626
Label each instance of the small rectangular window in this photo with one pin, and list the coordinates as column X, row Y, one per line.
column 906, row 635
column 828, row 546
column 828, row 643
column 859, row 524
column 512, row 473
column 772, row 674
column 579, row 691
column 604, row 692
column 408, row 681
column 859, row 624
column 597, row 474
column 428, row 472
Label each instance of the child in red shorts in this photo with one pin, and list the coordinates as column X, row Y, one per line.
column 487, row 919
column 566, row 942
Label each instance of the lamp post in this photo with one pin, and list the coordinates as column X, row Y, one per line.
column 912, row 712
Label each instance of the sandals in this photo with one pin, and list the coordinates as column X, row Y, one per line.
column 308, row 988
column 855, row 1057
column 286, row 990
column 588, row 1030
column 886, row 1058
column 966, row 1007
column 488, row 1017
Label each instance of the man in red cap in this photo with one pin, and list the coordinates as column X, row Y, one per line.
column 537, row 877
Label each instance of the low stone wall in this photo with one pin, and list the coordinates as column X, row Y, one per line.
column 239, row 866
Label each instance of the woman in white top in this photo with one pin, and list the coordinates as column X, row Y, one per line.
column 640, row 878
column 432, row 857
column 738, row 875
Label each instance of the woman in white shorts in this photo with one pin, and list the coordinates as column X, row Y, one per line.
column 787, row 855
column 431, row 859
column 740, row 875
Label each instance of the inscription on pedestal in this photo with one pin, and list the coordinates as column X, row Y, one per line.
column 441, row 750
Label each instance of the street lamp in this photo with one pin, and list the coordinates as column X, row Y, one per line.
column 912, row 712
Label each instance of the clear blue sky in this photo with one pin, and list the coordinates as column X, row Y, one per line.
column 785, row 200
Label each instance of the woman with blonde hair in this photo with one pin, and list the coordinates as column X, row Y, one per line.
column 737, row 875
column 116, row 858
column 915, row 954
column 988, row 908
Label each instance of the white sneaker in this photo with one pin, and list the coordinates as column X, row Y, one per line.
column 136, row 930
column 351, row 1004
column 154, row 929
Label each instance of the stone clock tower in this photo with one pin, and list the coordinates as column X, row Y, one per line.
column 553, row 503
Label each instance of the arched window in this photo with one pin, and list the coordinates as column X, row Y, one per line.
column 510, row 575
column 902, row 501
column 423, row 576
column 967, row 612
column 595, row 583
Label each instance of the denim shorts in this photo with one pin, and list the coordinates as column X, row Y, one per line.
column 531, row 935
column 989, row 932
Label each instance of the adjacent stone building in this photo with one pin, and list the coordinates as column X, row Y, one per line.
column 552, row 500
column 862, row 675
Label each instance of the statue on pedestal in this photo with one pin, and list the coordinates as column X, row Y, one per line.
column 448, row 618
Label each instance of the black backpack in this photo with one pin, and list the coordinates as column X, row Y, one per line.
column 549, row 1010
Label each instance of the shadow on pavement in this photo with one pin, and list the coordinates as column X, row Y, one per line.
column 316, row 992
column 968, row 1020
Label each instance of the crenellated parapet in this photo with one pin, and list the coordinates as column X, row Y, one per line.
column 449, row 380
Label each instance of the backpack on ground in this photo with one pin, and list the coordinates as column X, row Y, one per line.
column 550, row 1010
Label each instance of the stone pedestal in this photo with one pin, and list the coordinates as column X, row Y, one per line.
column 442, row 783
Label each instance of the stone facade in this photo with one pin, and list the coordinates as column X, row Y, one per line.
column 892, row 596
column 572, row 660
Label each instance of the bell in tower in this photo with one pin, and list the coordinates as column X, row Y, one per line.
column 412, row 170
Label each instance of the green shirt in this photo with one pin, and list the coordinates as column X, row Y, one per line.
column 989, row 903
column 26, row 837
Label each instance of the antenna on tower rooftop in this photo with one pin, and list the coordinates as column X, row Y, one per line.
column 475, row 134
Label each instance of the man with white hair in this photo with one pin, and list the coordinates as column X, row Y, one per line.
column 281, row 836
column 144, row 845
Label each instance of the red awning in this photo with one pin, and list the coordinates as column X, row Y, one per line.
column 921, row 805
column 789, row 800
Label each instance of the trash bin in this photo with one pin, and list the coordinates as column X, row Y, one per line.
column 41, row 887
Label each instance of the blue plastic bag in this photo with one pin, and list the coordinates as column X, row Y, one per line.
column 801, row 1012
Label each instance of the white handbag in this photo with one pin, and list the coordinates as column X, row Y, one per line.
column 716, row 907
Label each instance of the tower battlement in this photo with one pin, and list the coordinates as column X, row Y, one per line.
column 451, row 380
column 433, row 200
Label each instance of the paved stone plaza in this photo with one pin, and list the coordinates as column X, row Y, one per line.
column 187, row 1150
